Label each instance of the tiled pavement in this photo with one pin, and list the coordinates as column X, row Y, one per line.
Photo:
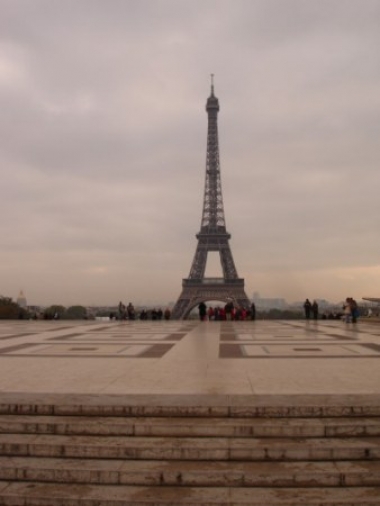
column 189, row 357
column 222, row 413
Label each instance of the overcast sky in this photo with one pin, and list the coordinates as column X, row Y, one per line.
column 103, row 134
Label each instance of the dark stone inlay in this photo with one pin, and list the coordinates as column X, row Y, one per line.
column 83, row 349
column 356, row 330
column 371, row 346
column 59, row 328
column 319, row 330
column 307, row 349
column 341, row 338
column 174, row 337
column 228, row 337
column 17, row 347
column 13, row 336
column 156, row 351
column 230, row 351
column 75, row 357
column 65, row 337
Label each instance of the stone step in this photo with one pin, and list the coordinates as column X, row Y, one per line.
column 170, row 408
column 180, row 448
column 188, row 473
column 45, row 494
column 191, row 426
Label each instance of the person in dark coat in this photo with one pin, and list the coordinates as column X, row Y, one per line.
column 307, row 308
column 229, row 308
column 253, row 311
column 202, row 308
column 314, row 309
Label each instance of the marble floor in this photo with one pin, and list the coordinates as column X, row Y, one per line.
column 190, row 357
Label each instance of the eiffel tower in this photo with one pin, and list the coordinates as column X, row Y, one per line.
column 213, row 236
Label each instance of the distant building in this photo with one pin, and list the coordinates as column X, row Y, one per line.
column 21, row 300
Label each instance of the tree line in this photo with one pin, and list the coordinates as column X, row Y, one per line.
column 10, row 310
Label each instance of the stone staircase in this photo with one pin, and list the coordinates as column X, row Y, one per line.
column 55, row 454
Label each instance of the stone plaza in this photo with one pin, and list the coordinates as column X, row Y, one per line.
column 190, row 357
column 105, row 413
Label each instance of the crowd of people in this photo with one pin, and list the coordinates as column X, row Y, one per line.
column 349, row 312
column 129, row 313
column 227, row 312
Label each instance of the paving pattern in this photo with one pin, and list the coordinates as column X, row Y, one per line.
column 189, row 357
column 154, row 339
column 122, row 339
column 299, row 339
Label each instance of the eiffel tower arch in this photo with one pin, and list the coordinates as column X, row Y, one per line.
column 213, row 236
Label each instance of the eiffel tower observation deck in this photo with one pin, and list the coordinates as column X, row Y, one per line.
column 213, row 236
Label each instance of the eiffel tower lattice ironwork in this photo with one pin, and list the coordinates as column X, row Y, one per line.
column 213, row 236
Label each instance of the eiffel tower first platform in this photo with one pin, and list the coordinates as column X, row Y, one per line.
column 213, row 236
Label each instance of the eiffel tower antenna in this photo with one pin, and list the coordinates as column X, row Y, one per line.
column 213, row 235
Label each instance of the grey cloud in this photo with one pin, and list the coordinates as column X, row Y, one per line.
column 103, row 144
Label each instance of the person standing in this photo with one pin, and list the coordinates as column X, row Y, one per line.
column 253, row 311
column 131, row 311
column 229, row 308
column 202, row 308
column 314, row 309
column 354, row 310
column 121, row 311
column 347, row 310
column 307, row 308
